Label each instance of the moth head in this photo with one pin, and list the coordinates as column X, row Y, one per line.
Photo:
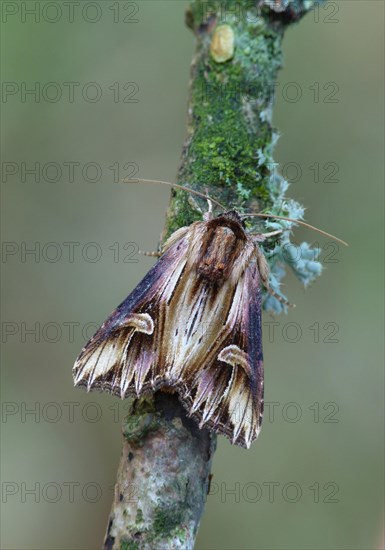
column 230, row 220
column 232, row 215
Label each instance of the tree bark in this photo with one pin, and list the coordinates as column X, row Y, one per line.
column 163, row 476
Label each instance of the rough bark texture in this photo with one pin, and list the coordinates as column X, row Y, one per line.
column 162, row 480
column 163, row 476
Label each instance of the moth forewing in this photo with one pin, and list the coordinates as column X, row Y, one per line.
column 193, row 325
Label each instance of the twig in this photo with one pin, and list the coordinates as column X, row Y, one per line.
column 162, row 479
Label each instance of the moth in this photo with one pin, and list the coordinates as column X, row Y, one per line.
column 192, row 325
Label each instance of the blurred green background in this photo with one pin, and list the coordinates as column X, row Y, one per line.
column 314, row 479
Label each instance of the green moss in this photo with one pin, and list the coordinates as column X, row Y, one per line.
column 141, row 420
column 139, row 515
column 136, row 428
column 129, row 545
column 144, row 405
column 181, row 212
column 167, row 519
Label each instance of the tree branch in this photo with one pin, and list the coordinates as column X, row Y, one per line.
column 163, row 477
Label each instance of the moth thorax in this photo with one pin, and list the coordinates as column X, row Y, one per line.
column 218, row 253
column 232, row 215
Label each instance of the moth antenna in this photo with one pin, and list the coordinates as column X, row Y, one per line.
column 299, row 222
column 155, row 254
column 176, row 186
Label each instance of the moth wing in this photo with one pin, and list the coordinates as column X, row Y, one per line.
column 221, row 382
column 227, row 395
column 121, row 354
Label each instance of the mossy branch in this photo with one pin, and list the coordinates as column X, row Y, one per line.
column 163, row 477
